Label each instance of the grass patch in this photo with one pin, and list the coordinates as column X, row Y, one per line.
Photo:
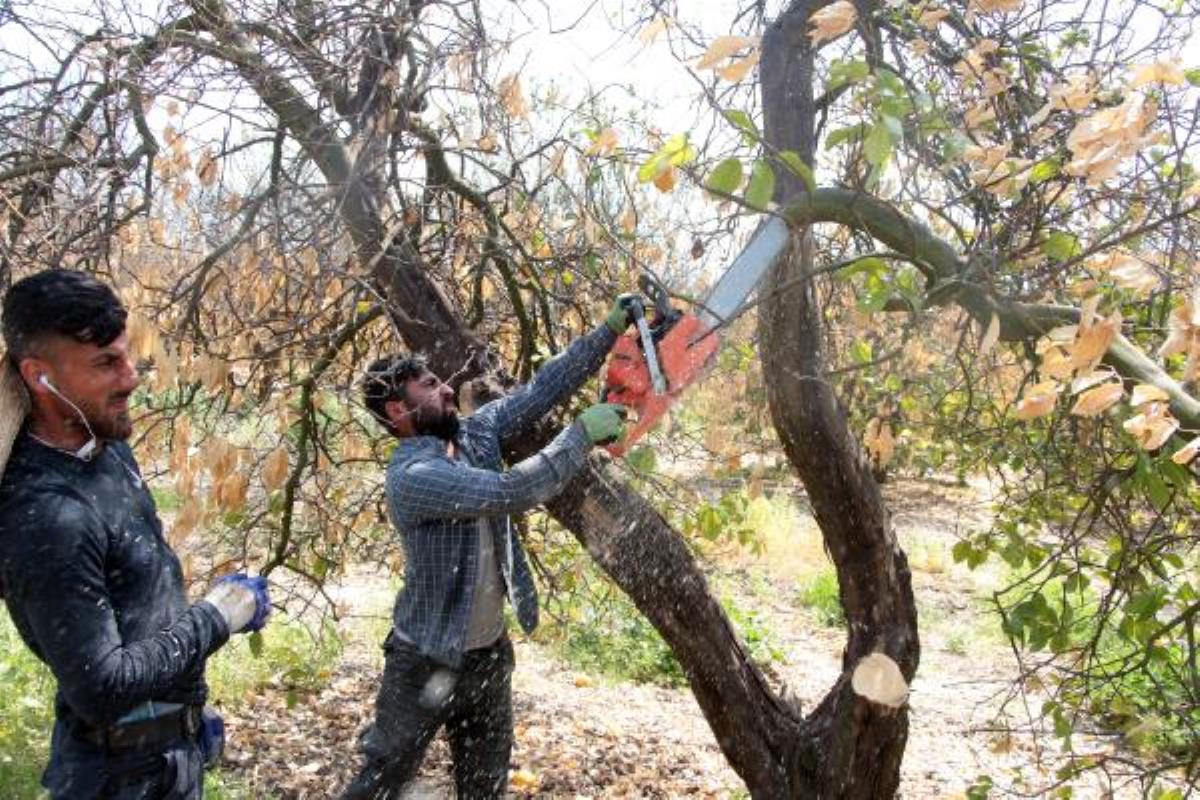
column 819, row 594
column 26, row 715
column 285, row 656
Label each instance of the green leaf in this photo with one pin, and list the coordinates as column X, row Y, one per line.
column 1061, row 246
column 876, row 293
column 255, row 640
column 860, row 352
column 878, row 146
column 741, row 120
column 1044, row 170
column 851, row 133
column 863, row 266
column 895, row 127
column 843, row 72
column 791, row 159
column 762, row 185
column 726, row 177
column 642, row 459
column 1193, row 76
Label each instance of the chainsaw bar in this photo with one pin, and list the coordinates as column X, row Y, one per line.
column 744, row 274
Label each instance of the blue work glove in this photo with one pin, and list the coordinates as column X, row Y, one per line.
column 212, row 736
column 242, row 600
column 620, row 317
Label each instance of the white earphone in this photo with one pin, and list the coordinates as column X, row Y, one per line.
column 89, row 448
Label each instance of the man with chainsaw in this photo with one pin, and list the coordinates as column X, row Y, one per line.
column 448, row 659
column 89, row 580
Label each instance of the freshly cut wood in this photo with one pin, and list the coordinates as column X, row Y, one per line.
column 14, row 405
column 877, row 678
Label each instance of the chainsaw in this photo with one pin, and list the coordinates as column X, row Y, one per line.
column 653, row 364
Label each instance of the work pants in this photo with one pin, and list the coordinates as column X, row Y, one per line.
column 418, row 695
column 78, row 771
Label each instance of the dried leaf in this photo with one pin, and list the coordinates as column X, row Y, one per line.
column 1152, row 427
column 722, row 48
column 1185, row 454
column 832, row 21
column 1038, row 400
column 665, row 180
column 1147, row 393
column 1160, row 72
column 604, row 143
column 739, row 69
column 879, row 441
column 511, row 96
column 1097, row 399
column 1092, row 343
column 995, row 6
column 656, row 26
column 932, row 17
column 275, row 469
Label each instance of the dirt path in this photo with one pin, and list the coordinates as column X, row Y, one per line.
column 578, row 737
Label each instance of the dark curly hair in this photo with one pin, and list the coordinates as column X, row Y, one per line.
column 60, row 302
column 384, row 381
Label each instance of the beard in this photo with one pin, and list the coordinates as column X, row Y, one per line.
column 107, row 421
column 431, row 422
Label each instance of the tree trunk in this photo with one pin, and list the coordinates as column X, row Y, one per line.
column 856, row 745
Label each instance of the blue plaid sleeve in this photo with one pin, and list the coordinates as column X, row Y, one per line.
column 557, row 380
column 439, row 486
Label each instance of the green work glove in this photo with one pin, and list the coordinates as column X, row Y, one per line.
column 620, row 317
column 603, row 423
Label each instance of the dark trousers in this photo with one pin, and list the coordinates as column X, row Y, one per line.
column 416, row 697
column 78, row 771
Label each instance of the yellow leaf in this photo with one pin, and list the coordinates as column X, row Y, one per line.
column 1159, row 72
column 1038, row 400
column 1147, row 393
column 583, row 682
column 1152, row 427
column 722, row 48
column 740, row 68
column 832, row 21
column 522, row 780
column 1097, row 399
column 1185, row 454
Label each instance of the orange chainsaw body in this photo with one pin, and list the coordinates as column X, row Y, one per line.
column 684, row 352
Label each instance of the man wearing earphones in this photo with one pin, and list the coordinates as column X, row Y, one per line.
column 89, row 580
column 448, row 660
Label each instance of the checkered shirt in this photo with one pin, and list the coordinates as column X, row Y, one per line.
column 436, row 501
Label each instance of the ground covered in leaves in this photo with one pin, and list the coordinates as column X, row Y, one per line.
column 581, row 736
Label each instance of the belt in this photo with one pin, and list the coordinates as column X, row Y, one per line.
column 147, row 735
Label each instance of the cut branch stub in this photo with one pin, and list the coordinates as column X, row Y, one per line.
column 877, row 679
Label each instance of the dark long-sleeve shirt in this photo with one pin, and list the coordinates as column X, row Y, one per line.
column 436, row 501
column 93, row 587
